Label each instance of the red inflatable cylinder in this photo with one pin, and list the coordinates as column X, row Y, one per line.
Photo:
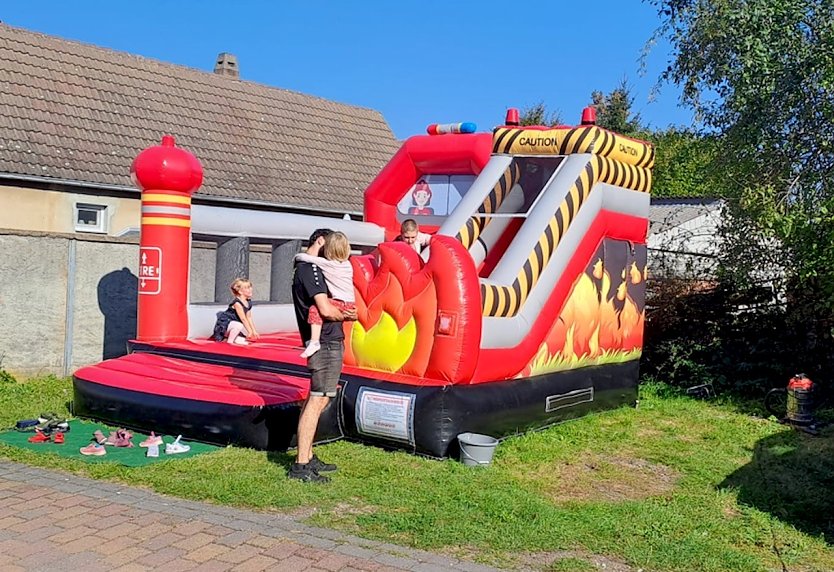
column 167, row 176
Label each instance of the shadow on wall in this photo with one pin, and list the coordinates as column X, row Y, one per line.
column 791, row 477
column 117, row 292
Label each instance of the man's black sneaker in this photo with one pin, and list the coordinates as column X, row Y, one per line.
column 306, row 474
column 320, row 466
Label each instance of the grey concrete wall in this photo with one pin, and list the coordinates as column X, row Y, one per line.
column 201, row 281
column 42, row 275
column 33, row 291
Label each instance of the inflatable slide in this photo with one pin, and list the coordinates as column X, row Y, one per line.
column 526, row 309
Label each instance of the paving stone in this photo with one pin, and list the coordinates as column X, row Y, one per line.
column 255, row 564
column 68, row 535
column 103, row 522
column 32, row 493
column 283, row 550
column 214, row 566
column 195, row 541
column 394, row 561
column 206, row 553
column 217, row 530
column 162, row 540
column 132, row 567
column 261, row 541
column 239, row 554
column 124, row 529
column 111, row 510
column 334, row 561
column 67, row 500
column 40, row 560
column 180, row 565
column 33, row 514
column 292, row 564
column 355, row 551
column 125, row 556
column 160, row 558
column 86, row 561
column 236, row 538
column 193, row 526
column 81, row 544
column 107, row 547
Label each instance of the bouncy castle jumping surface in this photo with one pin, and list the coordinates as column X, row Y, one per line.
column 526, row 309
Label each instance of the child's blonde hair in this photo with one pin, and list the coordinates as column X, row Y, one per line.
column 238, row 284
column 336, row 246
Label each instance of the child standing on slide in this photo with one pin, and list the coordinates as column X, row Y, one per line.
column 338, row 275
column 235, row 322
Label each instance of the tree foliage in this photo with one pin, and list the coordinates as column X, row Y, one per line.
column 538, row 114
column 614, row 110
column 760, row 75
column 683, row 164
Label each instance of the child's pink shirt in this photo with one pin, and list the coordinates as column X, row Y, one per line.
column 337, row 275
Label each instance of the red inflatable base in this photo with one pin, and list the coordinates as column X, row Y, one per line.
column 205, row 402
column 247, row 398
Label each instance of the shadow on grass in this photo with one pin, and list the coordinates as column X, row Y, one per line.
column 791, row 477
column 281, row 458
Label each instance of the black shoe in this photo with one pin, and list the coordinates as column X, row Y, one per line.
column 320, row 466
column 306, row 474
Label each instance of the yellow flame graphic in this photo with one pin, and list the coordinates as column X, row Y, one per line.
column 383, row 346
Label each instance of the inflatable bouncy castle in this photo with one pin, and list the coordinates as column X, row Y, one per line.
column 526, row 308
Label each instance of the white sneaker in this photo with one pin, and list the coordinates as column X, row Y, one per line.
column 241, row 341
column 176, row 447
column 312, row 348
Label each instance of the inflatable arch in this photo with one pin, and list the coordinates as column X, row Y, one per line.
column 526, row 309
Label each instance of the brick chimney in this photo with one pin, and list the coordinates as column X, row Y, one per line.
column 226, row 65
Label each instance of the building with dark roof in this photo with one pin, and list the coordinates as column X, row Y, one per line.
column 74, row 116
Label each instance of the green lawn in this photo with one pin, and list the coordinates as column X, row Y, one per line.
column 676, row 484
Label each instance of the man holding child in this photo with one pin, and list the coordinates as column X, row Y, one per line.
column 325, row 365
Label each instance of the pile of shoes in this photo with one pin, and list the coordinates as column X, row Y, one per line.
column 117, row 438
column 48, row 428
column 123, row 438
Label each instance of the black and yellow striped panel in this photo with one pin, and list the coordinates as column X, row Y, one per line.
column 624, row 175
column 569, row 141
column 505, row 301
column 475, row 225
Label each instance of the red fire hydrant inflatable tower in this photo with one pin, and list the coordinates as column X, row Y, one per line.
column 167, row 176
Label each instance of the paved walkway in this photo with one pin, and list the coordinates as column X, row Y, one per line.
column 57, row 521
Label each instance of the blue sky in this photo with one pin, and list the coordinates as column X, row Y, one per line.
column 415, row 62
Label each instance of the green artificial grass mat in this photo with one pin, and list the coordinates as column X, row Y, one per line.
column 81, row 435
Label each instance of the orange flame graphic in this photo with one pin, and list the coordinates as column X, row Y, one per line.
column 599, row 323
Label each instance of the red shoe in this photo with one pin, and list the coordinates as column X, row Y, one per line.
column 39, row 437
column 59, row 438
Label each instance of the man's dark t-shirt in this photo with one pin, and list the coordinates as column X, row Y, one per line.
column 307, row 281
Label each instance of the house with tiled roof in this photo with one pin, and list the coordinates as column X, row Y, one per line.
column 74, row 116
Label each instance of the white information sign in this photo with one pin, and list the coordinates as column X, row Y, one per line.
column 388, row 414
